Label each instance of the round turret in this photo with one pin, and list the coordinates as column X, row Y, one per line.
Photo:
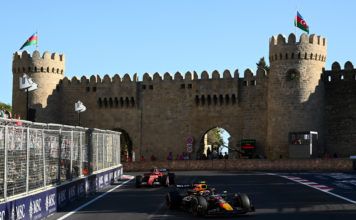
column 293, row 91
column 46, row 70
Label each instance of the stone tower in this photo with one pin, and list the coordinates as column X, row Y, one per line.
column 295, row 98
column 46, row 70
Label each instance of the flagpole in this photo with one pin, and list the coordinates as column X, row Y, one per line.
column 37, row 40
column 295, row 20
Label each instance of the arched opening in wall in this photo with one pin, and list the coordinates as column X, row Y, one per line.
column 227, row 99
column 202, row 100
column 197, row 100
column 209, row 100
column 105, row 103
column 214, row 144
column 215, row 100
column 116, row 101
column 132, row 102
column 127, row 102
column 100, row 103
column 233, row 99
column 121, row 102
column 111, row 103
column 126, row 145
column 221, row 99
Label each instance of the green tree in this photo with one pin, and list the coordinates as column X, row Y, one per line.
column 262, row 64
column 215, row 137
column 5, row 106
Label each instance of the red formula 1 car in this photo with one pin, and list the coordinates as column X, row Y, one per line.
column 157, row 177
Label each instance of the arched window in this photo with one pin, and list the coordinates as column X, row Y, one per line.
column 233, row 99
column 100, row 103
column 311, row 56
column 292, row 56
column 280, row 56
column 286, row 56
column 116, row 101
column 52, row 70
column 42, row 69
column 221, row 99
column 132, row 102
column 202, row 100
column 227, row 99
column 121, row 102
column 209, row 99
column 47, row 69
column 105, row 103
column 215, row 100
column 35, row 69
column 110, row 102
column 275, row 57
column 127, row 102
column 298, row 55
column 329, row 78
column 29, row 69
column 197, row 100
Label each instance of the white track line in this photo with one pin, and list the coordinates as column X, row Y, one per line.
column 93, row 200
column 312, row 186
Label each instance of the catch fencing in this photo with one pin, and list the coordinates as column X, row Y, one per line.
column 36, row 155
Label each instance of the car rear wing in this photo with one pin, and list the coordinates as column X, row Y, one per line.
column 163, row 170
column 184, row 186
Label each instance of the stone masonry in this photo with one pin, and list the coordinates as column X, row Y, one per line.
column 159, row 113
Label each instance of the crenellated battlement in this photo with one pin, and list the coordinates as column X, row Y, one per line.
column 147, row 78
column 47, row 62
column 281, row 40
column 337, row 74
column 311, row 47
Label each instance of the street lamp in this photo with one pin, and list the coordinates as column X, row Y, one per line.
column 27, row 85
column 79, row 107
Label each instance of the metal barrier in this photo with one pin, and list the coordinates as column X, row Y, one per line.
column 36, row 155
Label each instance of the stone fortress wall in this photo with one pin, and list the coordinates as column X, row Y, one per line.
column 160, row 112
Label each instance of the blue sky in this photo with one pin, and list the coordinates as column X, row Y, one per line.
column 138, row 36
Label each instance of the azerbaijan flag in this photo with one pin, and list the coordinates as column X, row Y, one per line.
column 299, row 22
column 30, row 41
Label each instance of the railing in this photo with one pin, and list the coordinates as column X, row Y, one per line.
column 37, row 155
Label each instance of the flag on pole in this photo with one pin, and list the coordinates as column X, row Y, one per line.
column 300, row 22
column 30, row 41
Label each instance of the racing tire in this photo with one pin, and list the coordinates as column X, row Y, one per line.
column 244, row 203
column 171, row 177
column 164, row 180
column 199, row 206
column 138, row 181
column 173, row 200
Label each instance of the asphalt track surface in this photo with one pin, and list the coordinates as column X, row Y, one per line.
column 275, row 196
